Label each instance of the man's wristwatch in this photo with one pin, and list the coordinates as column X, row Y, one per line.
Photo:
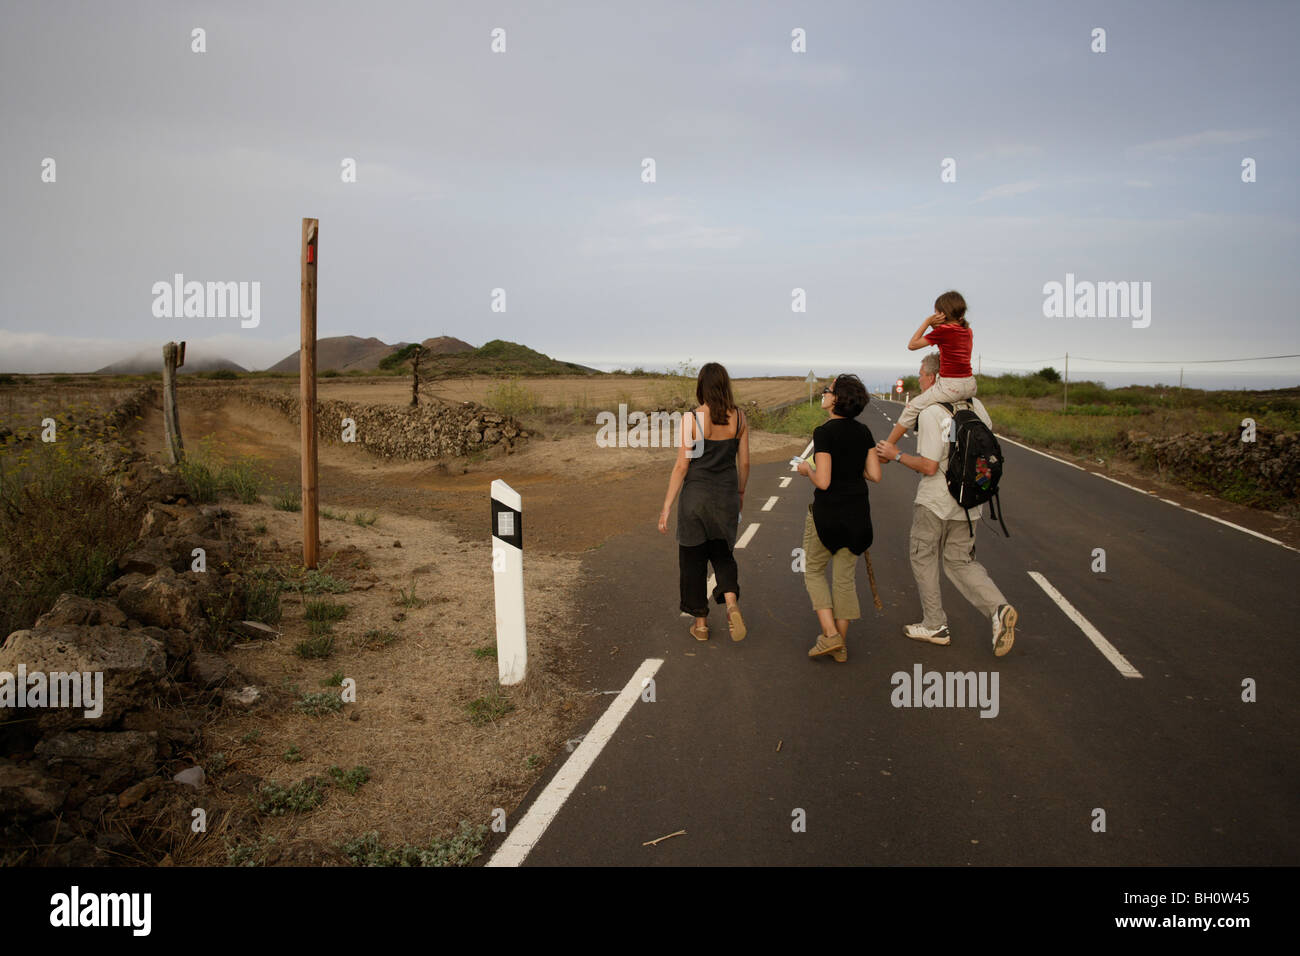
column 898, row 457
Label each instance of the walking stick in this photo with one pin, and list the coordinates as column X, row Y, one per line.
column 871, row 578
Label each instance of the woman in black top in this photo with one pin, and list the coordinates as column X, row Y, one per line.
column 711, row 472
column 838, row 527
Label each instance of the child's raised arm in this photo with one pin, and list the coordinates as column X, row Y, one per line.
column 918, row 340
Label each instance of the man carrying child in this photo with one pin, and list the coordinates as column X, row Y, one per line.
column 941, row 532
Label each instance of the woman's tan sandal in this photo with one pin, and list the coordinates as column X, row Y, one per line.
column 700, row 632
column 737, row 623
column 827, row 644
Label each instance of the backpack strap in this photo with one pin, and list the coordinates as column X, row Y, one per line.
column 997, row 498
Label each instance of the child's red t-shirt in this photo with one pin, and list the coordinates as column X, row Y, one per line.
column 954, row 343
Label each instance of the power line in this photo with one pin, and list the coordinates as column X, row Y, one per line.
column 1258, row 358
column 1084, row 358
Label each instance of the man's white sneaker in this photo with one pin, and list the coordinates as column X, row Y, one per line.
column 1004, row 629
column 934, row 635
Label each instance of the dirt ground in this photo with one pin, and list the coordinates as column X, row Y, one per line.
column 431, row 767
column 551, row 471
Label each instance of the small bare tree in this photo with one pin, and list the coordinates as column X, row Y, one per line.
column 416, row 354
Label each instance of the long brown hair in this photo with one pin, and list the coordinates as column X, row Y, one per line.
column 713, row 388
column 953, row 306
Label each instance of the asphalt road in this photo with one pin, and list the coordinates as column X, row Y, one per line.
column 1185, row 771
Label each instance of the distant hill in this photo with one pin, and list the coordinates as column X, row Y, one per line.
column 149, row 361
column 499, row 357
column 341, row 352
column 448, row 356
column 445, row 345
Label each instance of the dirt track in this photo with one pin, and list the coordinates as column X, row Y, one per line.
column 554, row 476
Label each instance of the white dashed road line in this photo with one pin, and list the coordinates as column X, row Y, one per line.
column 770, row 502
column 747, row 536
column 785, row 482
column 1106, row 647
column 529, row 830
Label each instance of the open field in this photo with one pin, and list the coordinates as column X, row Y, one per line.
column 23, row 407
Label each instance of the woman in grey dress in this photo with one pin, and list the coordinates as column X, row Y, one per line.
column 711, row 471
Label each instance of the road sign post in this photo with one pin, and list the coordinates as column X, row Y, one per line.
column 307, row 392
column 508, row 578
column 811, row 380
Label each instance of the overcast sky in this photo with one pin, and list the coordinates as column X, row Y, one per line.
column 775, row 170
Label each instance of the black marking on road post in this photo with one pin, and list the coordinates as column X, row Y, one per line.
column 507, row 523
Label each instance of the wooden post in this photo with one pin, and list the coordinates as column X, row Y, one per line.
column 307, row 391
column 173, row 358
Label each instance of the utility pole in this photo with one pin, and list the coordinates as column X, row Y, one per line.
column 1066, row 397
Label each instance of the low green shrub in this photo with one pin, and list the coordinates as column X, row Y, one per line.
column 460, row 849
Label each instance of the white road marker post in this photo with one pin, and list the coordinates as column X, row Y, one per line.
column 508, row 577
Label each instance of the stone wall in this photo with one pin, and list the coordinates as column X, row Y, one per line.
column 436, row 429
column 1222, row 460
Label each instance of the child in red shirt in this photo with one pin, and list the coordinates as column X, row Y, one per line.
column 955, row 381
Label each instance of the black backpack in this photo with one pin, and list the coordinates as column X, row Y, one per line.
column 974, row 463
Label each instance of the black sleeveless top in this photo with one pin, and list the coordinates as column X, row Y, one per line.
column 842, row 512
column 709, row 506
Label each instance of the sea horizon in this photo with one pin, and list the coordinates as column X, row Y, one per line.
column 881, row 377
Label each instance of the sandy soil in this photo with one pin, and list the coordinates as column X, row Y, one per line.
column 430, row 765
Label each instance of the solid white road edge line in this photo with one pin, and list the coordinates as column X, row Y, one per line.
column 525, row 834
column 1106, row 647
column 1054, row 458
